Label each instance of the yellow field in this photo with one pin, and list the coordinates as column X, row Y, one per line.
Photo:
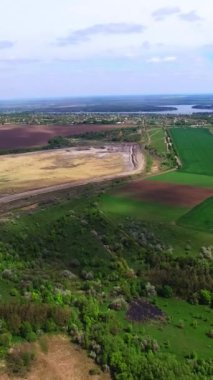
column 23, row 172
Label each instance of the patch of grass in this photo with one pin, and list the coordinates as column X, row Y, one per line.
column 195, row 149
column 185, row 179
column 179, row 237
column 5, row 287
column 186, row 330
column 149, row 211
column 160, row 219
column 157, row 140
column 149, row 163
column 200, row 217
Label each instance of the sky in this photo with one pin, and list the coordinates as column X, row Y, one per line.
column 60, row 48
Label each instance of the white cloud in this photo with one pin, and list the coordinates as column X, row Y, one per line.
column 6, row 44
column 162, row 13
column 161, row 59
column 191, row 16
column 84, row 35
column 170, row 59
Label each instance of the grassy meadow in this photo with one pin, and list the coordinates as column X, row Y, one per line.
column 195, row 149
column 144, row 210
column 200, row 217
column 157, row 140
column 181, row 178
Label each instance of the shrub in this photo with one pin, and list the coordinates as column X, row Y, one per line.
column 118, row 304
column 149, row 344
column 210, row 333
column 165, row 291
column 180, row 324
column 205, row 297
column 50, row 326
column 19, row 361
column 194, row 323
column 31, row 336
column 7, row 274
column 44, row 345
column 150, row 290
column 94, row 371
column 26, row 329
column 5, row 339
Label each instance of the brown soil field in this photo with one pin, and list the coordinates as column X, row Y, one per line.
column 30, row 174
column 27, row 136
column 178, row 195
column 63, row 361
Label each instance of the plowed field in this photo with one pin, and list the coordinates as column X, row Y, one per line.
column 167, row 193
column 27, row 136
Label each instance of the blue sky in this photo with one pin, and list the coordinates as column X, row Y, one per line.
column 91, row 47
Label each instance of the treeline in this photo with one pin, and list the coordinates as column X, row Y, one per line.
column 115, row 135
column 29, row 320
column 189, row 278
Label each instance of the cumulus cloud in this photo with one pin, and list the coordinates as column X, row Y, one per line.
column 85, row 34
column 161, row 59
column 162, row 13
column 190, row 16
column 5, row 44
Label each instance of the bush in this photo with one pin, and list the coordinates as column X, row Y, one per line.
column 150, row 290
column 205, row 297
column 50, row 326
column 149, row 344
column 19, row 361
column 26, row 329
column 94, row 372
column 5, row 339
column 210, row 333
column 31, row 336
column 165, row 291
column 118, row 304
column 14, row 292
column 180, row 324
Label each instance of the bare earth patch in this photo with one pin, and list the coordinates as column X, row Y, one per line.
column 13, row 136
column 66, row 167
column 63, row 361
column 143, row 311
column 167, row 193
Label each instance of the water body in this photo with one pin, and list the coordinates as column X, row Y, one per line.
column 183, row 109
column 140, row 104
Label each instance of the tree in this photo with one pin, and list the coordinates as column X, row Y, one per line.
column 205, row 297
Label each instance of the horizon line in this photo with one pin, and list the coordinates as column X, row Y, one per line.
column 102, row 96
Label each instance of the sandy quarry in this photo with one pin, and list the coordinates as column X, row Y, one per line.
column 62, row 361
column 45, row 171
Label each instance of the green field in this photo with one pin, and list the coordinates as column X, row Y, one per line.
column 195, row 149
column 160, row 218
column 191, row 338
column 200, row 217
column 196, row 320
column 157, row 140
column 185, row 179
column 149, row 211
